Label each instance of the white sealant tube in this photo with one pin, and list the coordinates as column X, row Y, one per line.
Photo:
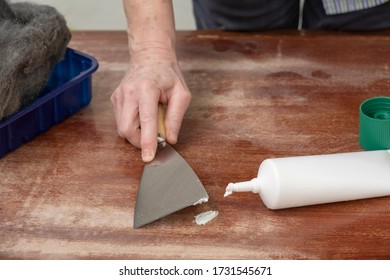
column 308, row 180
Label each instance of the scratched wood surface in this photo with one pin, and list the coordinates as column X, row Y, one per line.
column 70, row 193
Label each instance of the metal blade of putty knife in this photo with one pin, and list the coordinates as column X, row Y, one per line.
column 168, row 184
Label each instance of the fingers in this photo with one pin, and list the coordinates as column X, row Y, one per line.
column 128, row 123
column 135, row 103
column 148, row 123
column 136, row 117
column 177, row 107
column 126, row 117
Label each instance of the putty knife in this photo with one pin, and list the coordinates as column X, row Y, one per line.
column 168, row 184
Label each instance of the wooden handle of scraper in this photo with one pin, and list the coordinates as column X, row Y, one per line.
column 161, row 118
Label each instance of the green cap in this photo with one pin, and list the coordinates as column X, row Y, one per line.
column 374, row 130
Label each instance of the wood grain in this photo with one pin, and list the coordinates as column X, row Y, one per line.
column 70, row 193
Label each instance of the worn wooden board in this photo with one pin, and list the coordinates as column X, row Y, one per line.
column 70, row 193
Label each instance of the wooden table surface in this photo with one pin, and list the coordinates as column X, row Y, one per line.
column 70, row 193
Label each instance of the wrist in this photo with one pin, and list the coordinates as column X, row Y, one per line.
column 149, row 51
column 141, row 44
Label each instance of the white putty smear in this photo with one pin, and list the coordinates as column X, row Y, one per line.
column 205, row 217
column 202, row 200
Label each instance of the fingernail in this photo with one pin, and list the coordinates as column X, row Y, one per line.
column 172, row 137
column 147, row 155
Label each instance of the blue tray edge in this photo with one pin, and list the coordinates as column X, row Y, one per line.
column 50, row 109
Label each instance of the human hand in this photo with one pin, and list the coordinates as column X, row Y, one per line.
column 153, row 76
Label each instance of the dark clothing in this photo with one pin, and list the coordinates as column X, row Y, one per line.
column 251, row 15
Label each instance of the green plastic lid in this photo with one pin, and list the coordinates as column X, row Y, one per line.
column 374, row 130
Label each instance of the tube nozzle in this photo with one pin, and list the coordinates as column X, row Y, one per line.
column 248, row 186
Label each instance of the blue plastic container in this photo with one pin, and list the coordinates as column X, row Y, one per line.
column 68, row 90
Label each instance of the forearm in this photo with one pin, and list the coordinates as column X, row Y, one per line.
column 150, row 24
